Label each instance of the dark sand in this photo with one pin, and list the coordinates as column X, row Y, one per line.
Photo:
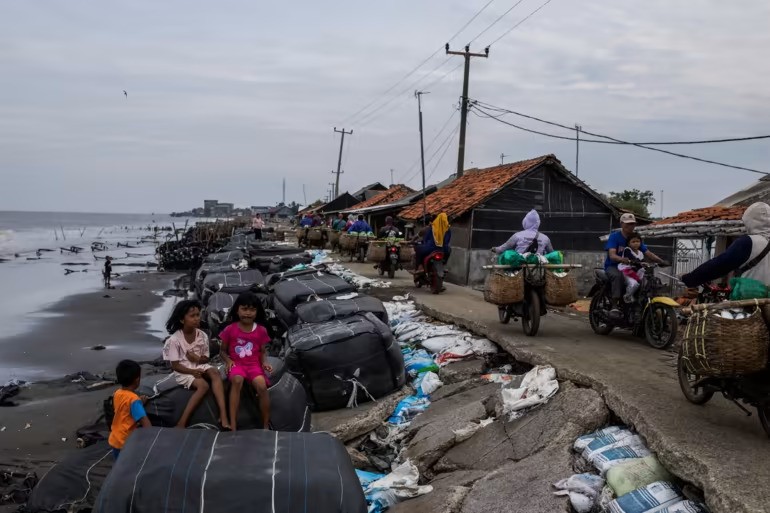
column 59, row 346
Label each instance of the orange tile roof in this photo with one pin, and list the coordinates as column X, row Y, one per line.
column 471, row 189
column 395, row 193
column 700, row 215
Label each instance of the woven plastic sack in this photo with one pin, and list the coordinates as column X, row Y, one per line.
column 635, row 474
column 511, row 258
column 747, row 288
column 555, row 257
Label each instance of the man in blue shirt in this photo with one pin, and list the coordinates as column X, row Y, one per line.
column 307, row 221
column 615, row 245
column 360, row 226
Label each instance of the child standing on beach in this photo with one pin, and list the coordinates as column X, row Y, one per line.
column 107, row 271
column 243, row 350
column 188, row 351
column 129, row 407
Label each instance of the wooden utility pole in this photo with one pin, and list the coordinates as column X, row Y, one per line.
column 578, row 128
column 391, row 176
column 464, row 101
column 339, row 160
column 502, row 158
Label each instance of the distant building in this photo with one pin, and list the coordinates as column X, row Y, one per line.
column 369, row 191
column 223, row 210
column 260, row 210
column 281, row 212
column 208, row 207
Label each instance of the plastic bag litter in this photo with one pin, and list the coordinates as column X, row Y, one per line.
column 407, row 409
column 469, row 429
column 401, row 484
column 582, row 442
column 497, row 377
column 652, row 497
column 417, row 362
column 627, row 477
column 427, row 383
column 685, row 507
column 466, row 348
column 583, row 490
column 537, row 387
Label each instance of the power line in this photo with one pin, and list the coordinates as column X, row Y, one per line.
column 519, row 23
column 495, row 22
column 414, row 70
column 445, row 144
column 613, row 141
column 428, row 147
column 438, row 162
column 706, row 161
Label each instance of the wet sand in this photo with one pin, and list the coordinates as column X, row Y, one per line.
column 53, row 407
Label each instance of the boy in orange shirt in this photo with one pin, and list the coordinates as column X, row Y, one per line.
column 129, row 407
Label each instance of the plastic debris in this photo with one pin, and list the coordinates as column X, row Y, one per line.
column 498, row 378
column 407, row 409
column 388, row 490
column 429, row 383
column 537, row 387
column 583, row 491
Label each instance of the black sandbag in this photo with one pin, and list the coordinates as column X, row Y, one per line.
column 281, row 263
column 295, row 290
column 262, row 471
column 272, row 249
column 289, row 411
column 335, row 358
column 226, row 256
column 287, row 317
column 273, row 278
column 218, row 307
column 73, row 484
column 333, row 308
column 213, row 267
column 233, row 282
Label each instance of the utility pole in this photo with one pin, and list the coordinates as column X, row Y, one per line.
column 661, row 203
column 418, row 95
column 331, row 184
column 578, row 128
column 339, row 160
column 304, row 196
column 391, row 176
column 464, row 105
column 502, row 158
column 283, row 201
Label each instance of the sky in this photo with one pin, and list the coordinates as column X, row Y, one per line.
column 228, row 98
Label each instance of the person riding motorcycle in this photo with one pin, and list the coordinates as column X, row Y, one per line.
column 437, row 238
column 528, row 240
column 747, row 256
column 389, row 230
column 615, row 245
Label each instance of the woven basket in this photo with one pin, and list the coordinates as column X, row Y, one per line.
column 334, row 238
column 314, row 235
column 376, row 251
column 300, row 233
column 406, row 253
column 718, row 347
column 560, row 290
column 504, row 288
column 347, row 242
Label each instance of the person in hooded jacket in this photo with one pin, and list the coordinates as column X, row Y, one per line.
column 529, row 240
column 747, row 256
column 437, row 237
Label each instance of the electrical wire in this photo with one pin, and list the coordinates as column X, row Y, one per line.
column 445, row 144
column 706, row 161
column 428, row 147
column 438, row 162
column 499, row 18
column 519, row 23
column 612, row 141
column 414, row 70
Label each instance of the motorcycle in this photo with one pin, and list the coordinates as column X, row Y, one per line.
column 532, row 308
column 650, row 316
column 432, row 272
column 391, row 262
column 753, row 390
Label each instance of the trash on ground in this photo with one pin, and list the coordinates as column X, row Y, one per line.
column 384, row 491
column 583, row 491
column 537, row 387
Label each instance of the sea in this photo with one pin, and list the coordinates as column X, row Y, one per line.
column 34, row 257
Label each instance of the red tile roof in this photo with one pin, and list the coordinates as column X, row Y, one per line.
column 471, row 189
column 395, row 193
column 700, row 215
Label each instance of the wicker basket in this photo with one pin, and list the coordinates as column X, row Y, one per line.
column 300, row 233
column 376, row 251
column 560, row 290
column 504, row 288
column 314, row 235
column 347, row 241
column 334, row 238
column 719, row 347
column 406, row 252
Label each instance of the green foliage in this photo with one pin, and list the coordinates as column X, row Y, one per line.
column 634, row 200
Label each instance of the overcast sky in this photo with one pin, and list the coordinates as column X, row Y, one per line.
column 226, row 98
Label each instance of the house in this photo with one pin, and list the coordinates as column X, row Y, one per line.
column 368, row 191
column 339, row 204
column 374, row 216
column 759, row 191
column 282, row 212
column 260, row 210
column 486, row 206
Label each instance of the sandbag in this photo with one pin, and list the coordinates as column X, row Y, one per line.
column 297, row 289
column 225, row 256
column 202, row 470
column 635, row 474
column 345, row 361
column 233, row 282
column 334, row 308
column 289, row 409
column 73, row 483
column 279, row 263
column 218, row 307
column 648, row 499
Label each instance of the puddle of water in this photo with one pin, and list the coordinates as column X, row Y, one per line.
column 156, row 320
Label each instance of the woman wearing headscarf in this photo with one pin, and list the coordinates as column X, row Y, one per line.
column 529, row 240
column 437, row 238
column 747, row 256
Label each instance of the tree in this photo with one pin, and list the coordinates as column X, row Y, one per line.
column 316, row 203
column 634, row 200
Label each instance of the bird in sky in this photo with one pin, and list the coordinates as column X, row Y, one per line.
column 124, row 92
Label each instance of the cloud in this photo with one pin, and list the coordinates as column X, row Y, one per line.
column 226, row 99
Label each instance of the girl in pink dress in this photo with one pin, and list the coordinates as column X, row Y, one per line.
column 243, row 350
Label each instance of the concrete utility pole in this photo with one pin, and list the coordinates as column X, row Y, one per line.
column 418, row 95
column 502, row 158
column 464, row 106
column 578, row 128
column 391, row 176
column 283, row 201
column 339, row 160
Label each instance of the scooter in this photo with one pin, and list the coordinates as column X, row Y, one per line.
column 432, row 272
column 391, row 262
column 532, row 307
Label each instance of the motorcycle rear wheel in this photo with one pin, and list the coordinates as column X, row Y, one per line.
column 391, row 272
column 696, row 395
column 504, row 314
column 598, row 303
column 764, row 418
column 530, row 321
